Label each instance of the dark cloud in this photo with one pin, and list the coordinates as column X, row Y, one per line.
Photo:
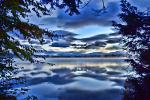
column 95, row 45
column 59, row 44
column 85, row 22
column 100, row 44
column 63, row 38
column 114, row 34
column 114, row 40
column 95, row 38
column 65, row 35
column 88, row 16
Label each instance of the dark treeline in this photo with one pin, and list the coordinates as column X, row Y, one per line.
column 136, row 38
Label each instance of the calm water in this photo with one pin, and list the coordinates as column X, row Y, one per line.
column 75, row 79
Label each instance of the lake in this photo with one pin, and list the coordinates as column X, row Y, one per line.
column 75, row 78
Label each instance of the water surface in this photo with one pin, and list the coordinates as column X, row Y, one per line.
column 76, row 78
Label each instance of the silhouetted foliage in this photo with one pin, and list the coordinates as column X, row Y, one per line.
column 72, row 5
column 136, row 36
column 14, row 16
column 135, row 29
column 7, row 80
column 137, row 88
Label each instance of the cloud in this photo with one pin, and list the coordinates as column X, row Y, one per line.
column 114, row 40
column 114, row 47
column 67, row 40
column 95, row 38
column 64, row 33
column 86, row 21
column 114, row 34
column 63, row 38
column 98, row 41
column 94, row 45
column 100, row 44
column 89, row 26
column 87, row 16
column 83, row 54
column 60, row 44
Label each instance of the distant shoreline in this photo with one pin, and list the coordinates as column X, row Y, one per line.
column 47, row 56
column 92, row 57
column 81, row 56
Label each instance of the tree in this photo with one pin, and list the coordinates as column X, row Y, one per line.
column 14, row 19
column 136, row 34
column 11, row 19
column 135, row 29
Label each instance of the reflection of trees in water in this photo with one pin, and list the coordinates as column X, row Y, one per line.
column 136, row 39
column 137, row 88
column 7, row 80
column 10, row 86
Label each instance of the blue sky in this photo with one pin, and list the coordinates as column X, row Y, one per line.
column 87, row 25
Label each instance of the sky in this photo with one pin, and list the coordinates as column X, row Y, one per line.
column 87, row 32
